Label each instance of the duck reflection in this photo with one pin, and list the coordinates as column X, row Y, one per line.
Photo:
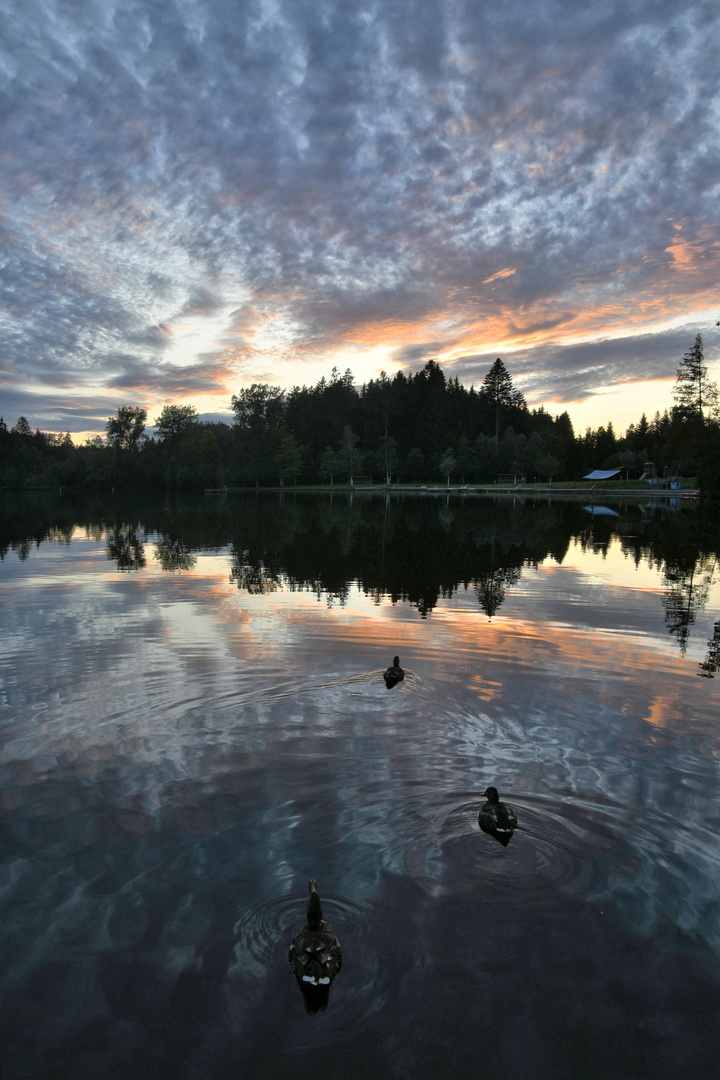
column 315, row 955
column 394, row 674
column 497, row 818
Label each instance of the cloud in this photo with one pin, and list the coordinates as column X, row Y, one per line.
column 579, row 370
column 417, row 176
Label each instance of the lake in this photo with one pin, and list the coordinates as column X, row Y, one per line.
column 194, row 723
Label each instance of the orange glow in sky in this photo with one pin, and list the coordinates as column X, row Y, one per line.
column 371, row 202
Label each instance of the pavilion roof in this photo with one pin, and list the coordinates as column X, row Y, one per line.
column 602, row 474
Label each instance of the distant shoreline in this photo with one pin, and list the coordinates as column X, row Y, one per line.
column 563, row 488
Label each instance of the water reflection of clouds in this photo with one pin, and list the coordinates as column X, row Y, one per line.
column 142, row 681
column 176, row 750
column 574, row 676
column 613, row 565
column 665, row 713
column 182, row 629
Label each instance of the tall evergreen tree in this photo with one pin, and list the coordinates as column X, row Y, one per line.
column 499, row 391
column 22, row 427
column 693, row 391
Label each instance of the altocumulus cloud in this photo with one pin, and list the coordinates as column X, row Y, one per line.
column 292, row 182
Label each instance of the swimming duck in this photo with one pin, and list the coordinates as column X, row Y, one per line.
column 394, row 674
column 496, row 816
column 315, row 952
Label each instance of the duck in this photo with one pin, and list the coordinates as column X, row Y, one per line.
column 315, row 953
column 393, row 674
column 495, row 816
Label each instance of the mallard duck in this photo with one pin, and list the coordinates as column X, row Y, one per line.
column 494, row 815
column 394, row 674
column 315, row 952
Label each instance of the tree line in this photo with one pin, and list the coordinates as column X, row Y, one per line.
column 413, row 428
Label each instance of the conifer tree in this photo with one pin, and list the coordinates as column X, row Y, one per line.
column 498, row 390
column 693, row 391
column 22, row 427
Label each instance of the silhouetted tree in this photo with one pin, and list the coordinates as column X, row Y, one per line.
column 415, row 464
column 328, row 464
column 465, row 457
column 126, row 430
column 175, row 420
column 288, row 458
column 693, row 391
column 258, row 408
column 258, row 417
column 486, row 457
column 498, row 391
column 349, row 457
column 448, row 464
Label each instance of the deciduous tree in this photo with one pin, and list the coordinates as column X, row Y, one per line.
column 126, row 430
column 174, row 421
column 348, row 457
column 448, row 464
column 288, row 458
column 259, row 407
column 328, row 464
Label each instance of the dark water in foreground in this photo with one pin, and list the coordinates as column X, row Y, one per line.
column 193, row 723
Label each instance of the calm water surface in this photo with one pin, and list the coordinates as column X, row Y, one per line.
column 193, row 723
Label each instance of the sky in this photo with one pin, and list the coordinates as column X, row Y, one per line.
column 196, row 196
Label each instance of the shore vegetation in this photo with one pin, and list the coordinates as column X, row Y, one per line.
column 413, row 428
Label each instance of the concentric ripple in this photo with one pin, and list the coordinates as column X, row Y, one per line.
column 557, row 847
column 262, row 936
column 585, row 850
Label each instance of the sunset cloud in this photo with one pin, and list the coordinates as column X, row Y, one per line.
column 196, row 196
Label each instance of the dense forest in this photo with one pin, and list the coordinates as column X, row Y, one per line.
column 413, row 428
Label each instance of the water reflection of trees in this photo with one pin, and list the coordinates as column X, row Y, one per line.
column 687, row 588
column 490, row 588
column 173, row 554
column 125, row 545
column 416, row 549
column 412, row 550
column 711, row 663
column 28, row 523
column 253, row 575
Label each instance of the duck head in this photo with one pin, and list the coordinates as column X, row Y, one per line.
column 491, row 794
column 314, row 908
